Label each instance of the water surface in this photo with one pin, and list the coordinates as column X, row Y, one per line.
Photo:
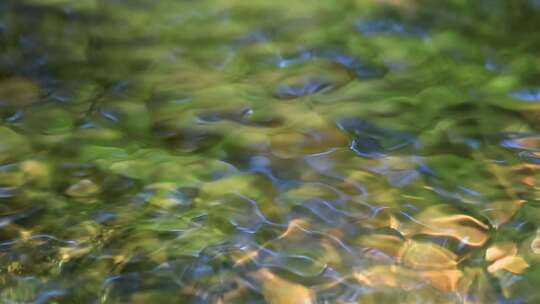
column 269, row 151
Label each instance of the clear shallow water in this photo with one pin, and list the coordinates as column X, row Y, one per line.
column 257, row 152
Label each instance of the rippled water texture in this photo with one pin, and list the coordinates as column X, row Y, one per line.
column 283, row 152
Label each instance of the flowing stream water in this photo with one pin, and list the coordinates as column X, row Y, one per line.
column 282, row 152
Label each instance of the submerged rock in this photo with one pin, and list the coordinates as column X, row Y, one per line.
column 427, row 256
column 514, row 264
column 12, row 145
column 279, row 291
column 83, row 188
column 18, row 91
